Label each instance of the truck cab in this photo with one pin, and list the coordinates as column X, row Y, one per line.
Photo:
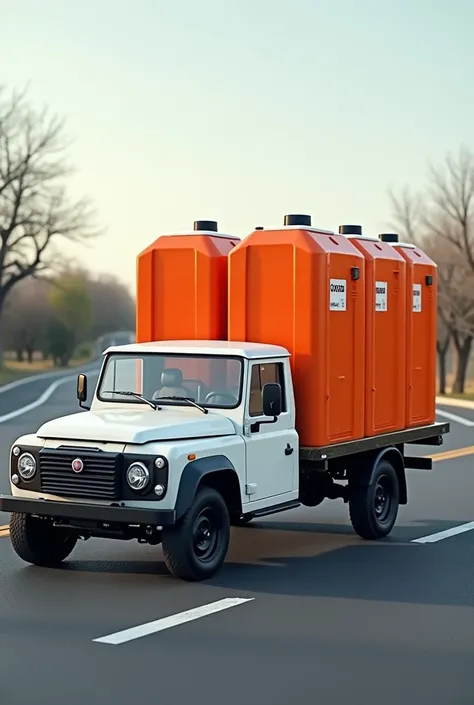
column 167, row 422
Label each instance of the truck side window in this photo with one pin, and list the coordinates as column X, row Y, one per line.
column 264, row 374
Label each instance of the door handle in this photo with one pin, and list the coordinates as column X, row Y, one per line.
column 288, row 449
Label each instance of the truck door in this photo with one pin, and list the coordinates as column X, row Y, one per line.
column 272, row 450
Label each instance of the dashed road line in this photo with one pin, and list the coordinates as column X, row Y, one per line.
column 446, row 534
column 174, row 620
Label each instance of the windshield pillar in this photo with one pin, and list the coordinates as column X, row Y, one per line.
column 152, row 371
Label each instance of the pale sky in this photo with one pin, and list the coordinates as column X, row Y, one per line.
column 243, row 110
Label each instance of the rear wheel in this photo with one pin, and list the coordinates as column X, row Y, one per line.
column 373, row 509
column 196, row 548
column 38, row 542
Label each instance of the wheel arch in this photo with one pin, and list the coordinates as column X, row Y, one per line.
column 366, row 475
column 215, row 471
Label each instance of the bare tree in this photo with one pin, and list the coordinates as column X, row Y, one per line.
column 441, row 221
column 407, row 214
column 455, row 305
column 451, row 203
column 27, row 316
column 35, row 209
column 450, row 216
column 442, row 347
column 408, row 220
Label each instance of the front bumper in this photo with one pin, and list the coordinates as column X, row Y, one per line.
column 88, row 512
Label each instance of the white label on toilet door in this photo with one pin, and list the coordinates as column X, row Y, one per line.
column 416, row 298
column 381, row 289
column 337, row 294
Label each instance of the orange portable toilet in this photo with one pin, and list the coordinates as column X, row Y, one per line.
column 385, row 333
column 422, row 322
column 182, row 285
column 303, row 288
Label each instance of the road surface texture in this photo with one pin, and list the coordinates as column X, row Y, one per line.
column 323, row 616
column 18, row 394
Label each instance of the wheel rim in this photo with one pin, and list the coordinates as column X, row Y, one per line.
column 206, row 535
column 383, row 499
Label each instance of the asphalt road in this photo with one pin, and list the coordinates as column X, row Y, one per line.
column 333, row 619
column 14, row 396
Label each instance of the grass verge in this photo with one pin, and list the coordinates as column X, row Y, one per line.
column 468, row 392
column 467, row 396
column 11, row 370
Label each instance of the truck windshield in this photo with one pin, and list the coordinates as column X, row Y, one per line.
column 209, row 380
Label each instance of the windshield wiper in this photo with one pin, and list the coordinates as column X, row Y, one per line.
column 190, row 401
column 137, row 396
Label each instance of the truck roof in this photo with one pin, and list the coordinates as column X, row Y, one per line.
column 203, row 347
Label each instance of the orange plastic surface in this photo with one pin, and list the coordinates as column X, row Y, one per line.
column 422, row 321
column 386, row 332
column 279, row 293
column 182, row 288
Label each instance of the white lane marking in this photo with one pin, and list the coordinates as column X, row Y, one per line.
column 47, row 394
column 455, row 418
column 174, row 620
column 440, row 535
column 43, row 375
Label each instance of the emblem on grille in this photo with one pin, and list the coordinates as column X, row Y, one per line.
column 77, row 465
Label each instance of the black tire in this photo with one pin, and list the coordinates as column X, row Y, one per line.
column 373, row 510
column 38, row 542
column 190, row 553
column 242, row 520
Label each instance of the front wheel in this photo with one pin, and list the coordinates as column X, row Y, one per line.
column 38, row 542
column 196, row 548
column 373, row 509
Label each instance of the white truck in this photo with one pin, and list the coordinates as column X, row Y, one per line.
column 182, row 440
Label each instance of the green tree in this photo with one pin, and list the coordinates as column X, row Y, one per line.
column 60, row 343
column 70, row 327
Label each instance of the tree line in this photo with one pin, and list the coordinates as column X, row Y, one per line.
column 44, row 303
column 60, row 317
column 440, row 219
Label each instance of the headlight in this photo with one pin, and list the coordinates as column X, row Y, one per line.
column 160, row 462
column 26, row 466
column 138, row 476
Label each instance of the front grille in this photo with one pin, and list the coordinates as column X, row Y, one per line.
column 98, row 480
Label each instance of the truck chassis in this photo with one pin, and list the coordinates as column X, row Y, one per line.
column 368, row 474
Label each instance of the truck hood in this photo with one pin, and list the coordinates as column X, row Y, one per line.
column 124, row 426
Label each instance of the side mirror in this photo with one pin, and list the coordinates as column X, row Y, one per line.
column 272, row 399
column 82, row 389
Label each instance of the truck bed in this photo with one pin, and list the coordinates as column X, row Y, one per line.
column 431, row 435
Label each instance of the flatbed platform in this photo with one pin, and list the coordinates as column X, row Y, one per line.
column 431, row 435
